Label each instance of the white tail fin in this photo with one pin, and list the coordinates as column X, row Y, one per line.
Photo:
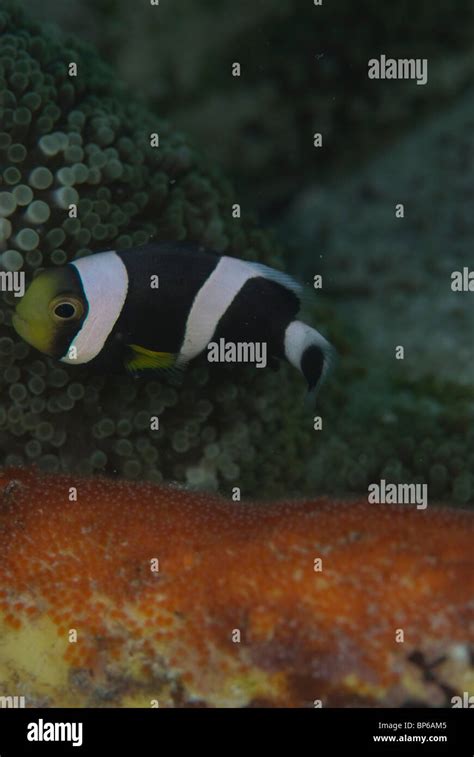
column 310, row 353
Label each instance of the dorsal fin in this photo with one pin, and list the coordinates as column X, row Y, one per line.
column 279, row 277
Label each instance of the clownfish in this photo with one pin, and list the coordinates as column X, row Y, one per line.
column 161, row 305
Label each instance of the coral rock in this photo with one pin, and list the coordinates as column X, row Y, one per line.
column 192, row 600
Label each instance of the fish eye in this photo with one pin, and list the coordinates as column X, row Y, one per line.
column 66, row 309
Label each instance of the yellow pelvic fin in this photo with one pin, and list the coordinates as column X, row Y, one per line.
column 143, row 359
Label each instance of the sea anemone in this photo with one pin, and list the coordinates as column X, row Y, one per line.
column 69, row 139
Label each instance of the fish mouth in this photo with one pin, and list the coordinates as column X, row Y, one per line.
column 23, row 328
column 20, row 325
column 17, row 317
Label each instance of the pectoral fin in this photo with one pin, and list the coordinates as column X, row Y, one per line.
column 142, row 359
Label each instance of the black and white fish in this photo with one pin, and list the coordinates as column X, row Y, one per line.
column 160, row 306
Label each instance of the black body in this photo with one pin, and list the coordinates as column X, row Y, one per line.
column 156, row 318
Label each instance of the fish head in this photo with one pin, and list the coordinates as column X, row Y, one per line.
column 52, row 311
